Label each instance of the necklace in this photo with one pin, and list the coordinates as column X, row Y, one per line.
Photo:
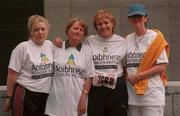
column 137, row 40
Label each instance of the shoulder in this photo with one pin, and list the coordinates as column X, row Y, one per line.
column 21, row 48
column 119, row 38
column 87, row 51
column 48, row 42
column 151, row 32
column 21, row 45
column 151, row 35
column 130, row 36
column 86, row 47
column 90, row 38
column 24, row 43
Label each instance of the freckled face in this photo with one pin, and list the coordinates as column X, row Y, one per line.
column 39, row 32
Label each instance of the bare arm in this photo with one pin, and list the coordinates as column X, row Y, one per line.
column 83, row 99
column 157, row 69
column 11, row 81
column 125, row 72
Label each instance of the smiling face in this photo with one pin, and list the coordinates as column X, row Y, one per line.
column 104, row 27
column 104, row 23
column 39, row 32
column 76, row 32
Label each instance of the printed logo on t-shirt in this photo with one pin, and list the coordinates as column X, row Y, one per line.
column 105, row 49
column 70, row 69
column 71, row 60
column 44, row 58
column 106, row 61
column 134, row 58
column 42, row 70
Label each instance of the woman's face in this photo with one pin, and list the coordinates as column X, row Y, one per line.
column 76, row 32
column 39, row 32
column 105, row 27
column 138, row 21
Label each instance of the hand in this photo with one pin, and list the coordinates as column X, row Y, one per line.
column 82, row 104
column 58, row 42
column 7, row 105
column 133, row 79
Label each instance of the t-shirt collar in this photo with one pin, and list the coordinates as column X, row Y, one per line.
column 78, row 47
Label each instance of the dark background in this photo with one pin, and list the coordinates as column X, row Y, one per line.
column 13, row 27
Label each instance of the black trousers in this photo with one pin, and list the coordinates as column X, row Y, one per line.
column 104, row 101
column 28, row 103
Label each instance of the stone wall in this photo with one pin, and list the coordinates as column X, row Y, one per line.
column 172, row 99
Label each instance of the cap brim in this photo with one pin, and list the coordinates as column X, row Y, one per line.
column 137, row 13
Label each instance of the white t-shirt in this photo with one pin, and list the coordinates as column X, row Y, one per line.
column 71, row 67
column 34, row 65
column 137, row 46
column 108, row 55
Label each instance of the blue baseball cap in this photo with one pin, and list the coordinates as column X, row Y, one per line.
column 137, row 9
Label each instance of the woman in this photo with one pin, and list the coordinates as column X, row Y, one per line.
column 108, row 95
column 147, row 57
column 73, row 68
column 30, row 71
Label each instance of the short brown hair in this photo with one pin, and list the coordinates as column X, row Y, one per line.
column 101, row 14
column 81, row 21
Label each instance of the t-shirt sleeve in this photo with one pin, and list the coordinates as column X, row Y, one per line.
column 163, row 58
column 90, row 69
column 16, row 59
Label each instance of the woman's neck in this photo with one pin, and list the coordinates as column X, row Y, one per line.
column 73, row 43
column 141, row 31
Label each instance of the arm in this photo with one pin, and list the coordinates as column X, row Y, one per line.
column 83, row 98
column 125, row 72
column 11, row 81
column 155, row 70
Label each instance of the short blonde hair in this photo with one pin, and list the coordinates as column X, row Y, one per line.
column 104, row 14
column 37, row 18
column 81, row 21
